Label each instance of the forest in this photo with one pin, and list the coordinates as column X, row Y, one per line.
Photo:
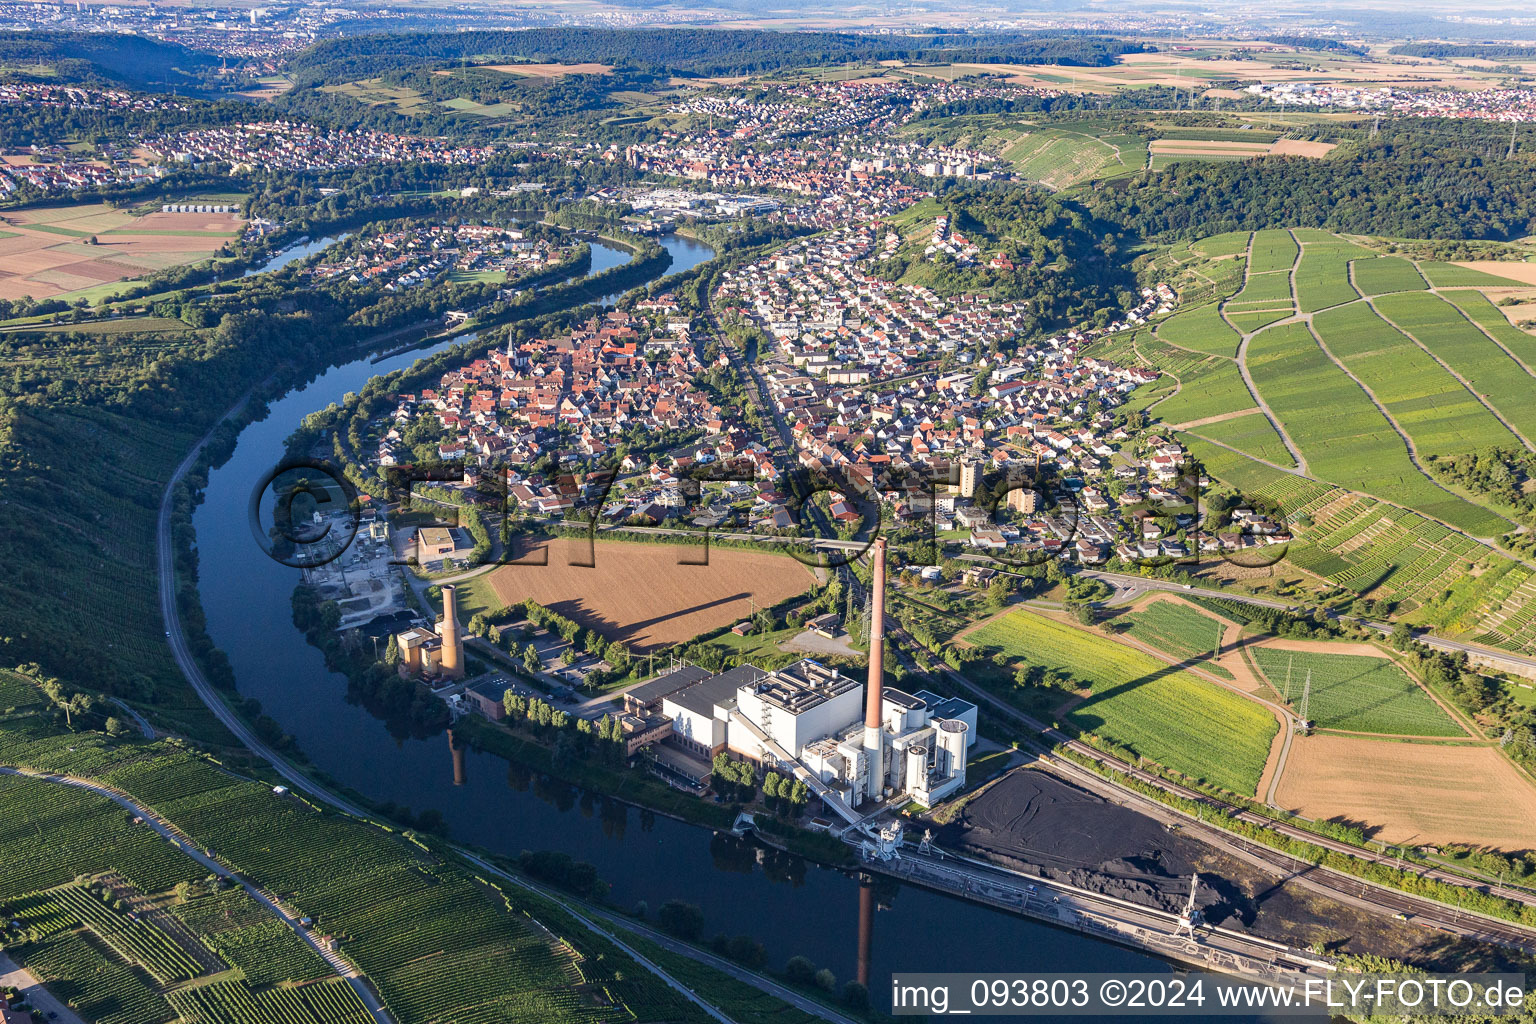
column 1454, row 51
column 1393, row 187
column 102, row 58
column 703, row 52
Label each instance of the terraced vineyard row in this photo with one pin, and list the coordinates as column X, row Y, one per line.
column 51, row 835
column 102, row 990
column 135, row 940
column 229, row 1002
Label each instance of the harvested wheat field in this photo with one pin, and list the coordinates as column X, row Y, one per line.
column 57, row 251
column 1525, row 273
column 1412, row 792
column 550, row 70
column 638, row 593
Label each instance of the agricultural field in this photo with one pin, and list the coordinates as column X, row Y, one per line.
column 326, row 1002
column 1262, row 291
column 50, row 835
column 1519, row 344
column 1440, row 414
column 1412, row 792
column 375, row 93
column 1322, row 277
column 249, row 938
column 54, row 252
column 1272, row 251
column 1354, row 692
column 400, row 913
column 1178, row 630
column 1342, row 435
column 99, row 987
column 1488, row 369
column 1160, row 712
column 1212, row 387
column 1383, row 274
column 638, row 593
column 1479, row 274
column 1201, row 329
column 1066, row 154
column 1251, row 433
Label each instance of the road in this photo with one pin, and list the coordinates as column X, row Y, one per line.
column 32, row 990
column 182, row 653
column 178, row 839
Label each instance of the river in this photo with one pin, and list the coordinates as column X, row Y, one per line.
column 793, row 907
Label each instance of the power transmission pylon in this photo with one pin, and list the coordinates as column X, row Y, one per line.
column 1511, row 154
column 1306, row 699
column 1376, row 126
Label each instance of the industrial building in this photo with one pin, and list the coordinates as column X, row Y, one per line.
column 435, row 653
column 805, row 719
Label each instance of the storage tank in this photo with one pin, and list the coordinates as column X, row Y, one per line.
column 917, row 768
column 951, row 740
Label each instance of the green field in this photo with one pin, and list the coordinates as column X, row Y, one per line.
column 1228, row 243
column 1178, row 630
column 1263, row 291
column 1449, row 275
column 1170, row 716
column 1251, row 433
column 1441, row 415
column 1473, row 355
column 1066, row 154
column 1355, row 693
column 1201, row 329
column 402, row 913
column 1250, row 322
column 1385, row 274
column 1479, row 310
column 1272, row 251
column 1211, row 387
column 1342, row 435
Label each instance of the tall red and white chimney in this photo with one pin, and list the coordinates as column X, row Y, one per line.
column 874, row 742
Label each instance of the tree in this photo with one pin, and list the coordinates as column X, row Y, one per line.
column 771, row 785
column 531, row 660
column 115, row 727
column 392, row 655
column 800, row 970
column 685, row 920
column 826, row 980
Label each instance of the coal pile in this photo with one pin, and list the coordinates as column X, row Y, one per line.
column 1038, row 823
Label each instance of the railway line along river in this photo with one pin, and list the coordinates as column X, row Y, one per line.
column 792, row 906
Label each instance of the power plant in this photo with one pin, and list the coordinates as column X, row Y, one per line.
column 805, row 719
column 438, row 654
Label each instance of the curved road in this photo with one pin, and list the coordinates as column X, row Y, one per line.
column 177, row 839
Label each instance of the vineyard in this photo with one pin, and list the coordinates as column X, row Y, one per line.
column 1170, row 716
column 1384, row 274
column 134, row 940
column 101, row 989
column 1201, row 329
column 248, row 938
column 1322, row 278
column 1477, row 358
column 1441, row 415
column 50, row 835
column 229, row 1002
column 1354, row 693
